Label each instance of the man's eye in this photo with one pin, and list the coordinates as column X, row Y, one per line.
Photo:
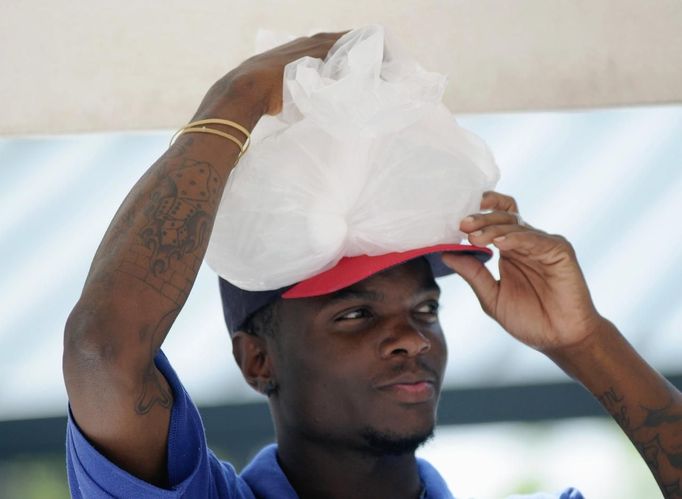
column 428, row 308
column 359, row 313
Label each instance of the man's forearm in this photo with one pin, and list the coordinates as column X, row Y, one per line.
column 148, row 260
column 646, row 406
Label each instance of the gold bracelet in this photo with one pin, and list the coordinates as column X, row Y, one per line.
column 211, row 131
column 192, row 127
column 219, row 121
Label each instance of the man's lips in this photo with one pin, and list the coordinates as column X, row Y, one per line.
column 410, row 388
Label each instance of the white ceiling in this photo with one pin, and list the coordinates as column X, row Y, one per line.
column 86, row 65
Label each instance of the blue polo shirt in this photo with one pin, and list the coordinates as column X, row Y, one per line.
column 195, row 472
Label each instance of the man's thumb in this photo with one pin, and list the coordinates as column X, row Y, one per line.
column 477, row 276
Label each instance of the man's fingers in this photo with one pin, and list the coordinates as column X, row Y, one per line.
column 487, row 235
column 477, row 276
column 478, row 221
column 547, row 249
column 495, row 201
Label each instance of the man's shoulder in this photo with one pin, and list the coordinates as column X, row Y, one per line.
column 193, row 469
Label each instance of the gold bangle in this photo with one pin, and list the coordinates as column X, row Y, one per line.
column 211, row 131
column 219, row 121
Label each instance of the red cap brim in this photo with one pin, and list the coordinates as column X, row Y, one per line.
column 351, row 270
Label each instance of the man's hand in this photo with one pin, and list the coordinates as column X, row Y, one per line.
column 262, row 75
column 541, row 298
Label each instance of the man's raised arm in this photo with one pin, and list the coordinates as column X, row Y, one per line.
column 645, row 405
column 146, row 265
column 542, row 300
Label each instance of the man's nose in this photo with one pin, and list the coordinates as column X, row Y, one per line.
column 404, row 339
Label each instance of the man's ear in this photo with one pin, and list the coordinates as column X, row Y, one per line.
column 252, row 357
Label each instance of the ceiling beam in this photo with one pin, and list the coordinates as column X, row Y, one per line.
column 80, row 66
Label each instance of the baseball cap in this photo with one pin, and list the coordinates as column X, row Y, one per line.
column 240, row 304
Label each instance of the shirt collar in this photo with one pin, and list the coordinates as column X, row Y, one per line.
column 266, row 478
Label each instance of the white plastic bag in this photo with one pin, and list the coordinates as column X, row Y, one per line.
column 363, row 159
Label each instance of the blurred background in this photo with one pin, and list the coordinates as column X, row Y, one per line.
column 588, row 137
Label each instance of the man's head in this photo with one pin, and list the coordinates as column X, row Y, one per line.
column 360, row 367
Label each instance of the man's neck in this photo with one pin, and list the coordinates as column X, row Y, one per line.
column 318, row 470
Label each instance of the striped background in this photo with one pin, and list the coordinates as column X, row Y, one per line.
column 609, row 180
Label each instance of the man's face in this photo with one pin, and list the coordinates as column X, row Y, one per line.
column 363, row 366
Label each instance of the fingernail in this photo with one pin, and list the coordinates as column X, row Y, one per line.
column 468, row 219
column 477, row 233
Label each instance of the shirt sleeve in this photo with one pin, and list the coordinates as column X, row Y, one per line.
column 193, row 470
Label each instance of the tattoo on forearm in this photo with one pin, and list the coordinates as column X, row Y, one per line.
column 154, row 389
column 614, row 404
column 164, row 249
column 153, row 392
column 158, row 237
column 178, row 222
column 168, row 253
column 658, row 438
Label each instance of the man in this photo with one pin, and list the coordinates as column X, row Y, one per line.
column 352, row 375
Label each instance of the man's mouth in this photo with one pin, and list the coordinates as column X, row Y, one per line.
column 410, row 388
